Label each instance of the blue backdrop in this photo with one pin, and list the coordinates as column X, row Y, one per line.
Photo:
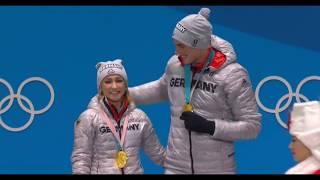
column 63, row 43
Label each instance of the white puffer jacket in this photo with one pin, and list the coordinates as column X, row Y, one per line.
column 95, row 146
column 222, row 95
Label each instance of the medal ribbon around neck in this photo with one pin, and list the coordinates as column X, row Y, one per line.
column 187, row 82
column 121, row 157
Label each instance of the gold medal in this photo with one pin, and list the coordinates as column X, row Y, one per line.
column 121, row 159
column 187, row 108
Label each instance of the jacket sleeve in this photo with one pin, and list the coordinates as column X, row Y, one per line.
column 83, row 143
column 246, row 122
column 151, row 144
column 152, row 92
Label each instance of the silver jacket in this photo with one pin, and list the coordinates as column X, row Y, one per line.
column 223, row 95
column 95, row 146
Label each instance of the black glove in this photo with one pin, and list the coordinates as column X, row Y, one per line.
column 194, row 122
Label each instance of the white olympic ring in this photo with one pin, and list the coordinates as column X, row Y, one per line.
column 288, row 96
column 20, row 97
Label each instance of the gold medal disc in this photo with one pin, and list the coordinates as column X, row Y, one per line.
column 187, row 108
column 121, row 159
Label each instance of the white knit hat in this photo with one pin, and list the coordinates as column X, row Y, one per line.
column 194, row 30
column 305, row 125
column 110, row 68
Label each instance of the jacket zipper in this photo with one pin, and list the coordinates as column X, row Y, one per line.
column 98, row 168
column 191, row 157
column 190, row 140
column 122, row 170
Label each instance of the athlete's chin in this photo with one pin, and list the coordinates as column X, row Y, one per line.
column 115, row 98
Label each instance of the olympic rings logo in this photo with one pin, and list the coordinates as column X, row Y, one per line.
column 277, row 110
column 20, row 97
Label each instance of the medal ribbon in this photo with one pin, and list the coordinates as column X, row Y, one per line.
column 187, row 77
column 187, row 82
column 113, row 129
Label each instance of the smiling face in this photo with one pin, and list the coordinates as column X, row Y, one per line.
column 299, row 151
column 113, row 87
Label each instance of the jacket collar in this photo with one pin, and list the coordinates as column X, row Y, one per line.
column 217, row 61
